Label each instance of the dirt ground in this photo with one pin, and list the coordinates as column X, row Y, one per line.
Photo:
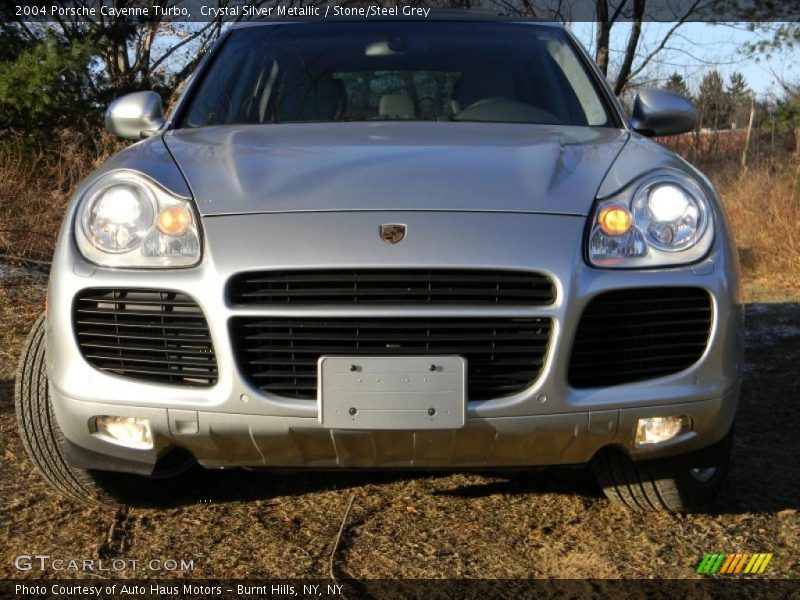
column 548, row 524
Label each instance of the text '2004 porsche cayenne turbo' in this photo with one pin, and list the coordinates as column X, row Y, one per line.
column 399, row 244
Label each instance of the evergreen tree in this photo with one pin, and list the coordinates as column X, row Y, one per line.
column 740, row 99
column 737, row 87
column 788, row 112
column 43, row 83
column 713, row 103
column 677, row 84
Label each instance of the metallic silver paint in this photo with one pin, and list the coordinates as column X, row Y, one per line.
column 394, row 166
column 548, row 243
column 475, row 196
column 659, row 112
column 149, row 157
column 135, row 116
column 225, row 440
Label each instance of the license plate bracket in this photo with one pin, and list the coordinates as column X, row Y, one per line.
column 391, row 392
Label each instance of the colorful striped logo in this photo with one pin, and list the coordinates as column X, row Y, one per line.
column 729, row 564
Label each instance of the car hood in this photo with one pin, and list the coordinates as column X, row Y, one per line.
column 394, row 166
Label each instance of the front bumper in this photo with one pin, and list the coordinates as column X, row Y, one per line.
column 224, row 440
column 235, row 424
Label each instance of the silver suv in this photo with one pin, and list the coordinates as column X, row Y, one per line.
column 395, row 244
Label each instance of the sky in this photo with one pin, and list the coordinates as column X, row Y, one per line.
column 698, row 47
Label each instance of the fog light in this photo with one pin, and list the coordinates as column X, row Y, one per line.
column 126, row 431
column 655, row 430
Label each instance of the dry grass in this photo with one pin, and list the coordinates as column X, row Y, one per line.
column 764, row 211
column 432, row 525
column 36, row 183
column 21, row 302
column 762, row 202
column 763, row 207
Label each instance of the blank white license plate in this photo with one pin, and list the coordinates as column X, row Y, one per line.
column 409, row 392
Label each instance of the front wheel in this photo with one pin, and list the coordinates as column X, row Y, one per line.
column 687, row 483
column 44, row 443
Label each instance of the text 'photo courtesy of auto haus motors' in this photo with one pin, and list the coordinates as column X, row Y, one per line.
column 395, row 244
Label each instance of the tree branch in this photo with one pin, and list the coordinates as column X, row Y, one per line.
column 633, row 43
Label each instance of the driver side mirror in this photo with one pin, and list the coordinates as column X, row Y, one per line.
column 658, row 112
column 135, row 116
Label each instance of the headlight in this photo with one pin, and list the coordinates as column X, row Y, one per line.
column 126, row 220
column 664, row 219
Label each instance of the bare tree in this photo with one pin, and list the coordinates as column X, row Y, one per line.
column 134, row 54
column 608, row 16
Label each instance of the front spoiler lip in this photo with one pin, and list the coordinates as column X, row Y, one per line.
column 234, row 440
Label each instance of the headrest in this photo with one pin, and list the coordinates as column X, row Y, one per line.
column 396, row 106
column 478, row 85
column 307, row 100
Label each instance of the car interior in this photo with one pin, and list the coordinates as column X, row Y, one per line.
column 401, row 78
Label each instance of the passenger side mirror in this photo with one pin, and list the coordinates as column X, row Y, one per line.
column 658, row 112
column 135, row 116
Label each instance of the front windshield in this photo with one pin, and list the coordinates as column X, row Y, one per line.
column 467, row 71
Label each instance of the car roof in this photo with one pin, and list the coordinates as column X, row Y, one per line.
column 435, row 14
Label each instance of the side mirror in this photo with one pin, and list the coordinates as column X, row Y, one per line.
column 135, row 116
column 658, row 112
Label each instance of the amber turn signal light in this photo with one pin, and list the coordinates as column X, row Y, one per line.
column 615, row 220
column 174, row 220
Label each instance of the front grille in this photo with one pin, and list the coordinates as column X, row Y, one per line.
column 636, row 334
column 279, row 355
column 151, row 335
column 392, row 286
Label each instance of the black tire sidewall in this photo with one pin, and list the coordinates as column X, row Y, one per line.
column 43, row 441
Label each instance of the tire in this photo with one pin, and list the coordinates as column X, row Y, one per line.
column 44, row 443
column 688, row 483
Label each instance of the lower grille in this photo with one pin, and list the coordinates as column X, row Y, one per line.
column 279, row 355
column 632, row 335
column 151, row 335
